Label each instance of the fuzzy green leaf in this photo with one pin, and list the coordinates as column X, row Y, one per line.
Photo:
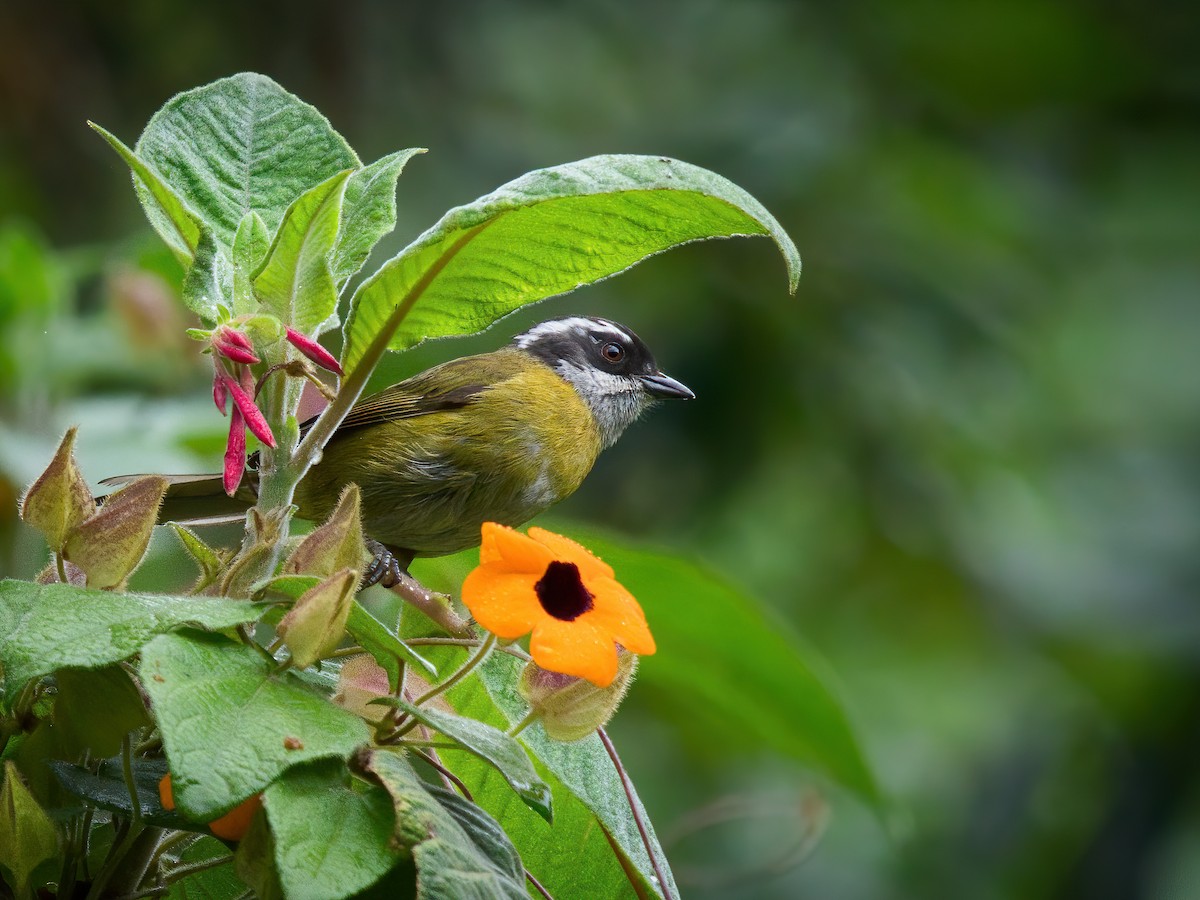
column 250, row 246
column 238, row 145
column 546, row 233
column 331, row 839
column 368, row 212
column 580, row 771
column 387, row 648
column 450, row 864
column 485, row 832
column 27, row 836
column 229, row 725
column 490, row 744
column 44, row 628
column 296, row 283
column 209, row 282
column 95, row 709
column 593, row 849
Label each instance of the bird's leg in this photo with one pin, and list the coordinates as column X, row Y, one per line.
column 389, row 568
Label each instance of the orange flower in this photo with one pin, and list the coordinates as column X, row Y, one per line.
column 551, row 586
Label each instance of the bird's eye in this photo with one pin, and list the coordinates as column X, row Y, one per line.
column 612, row 352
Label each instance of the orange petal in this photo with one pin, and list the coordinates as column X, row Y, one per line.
column 502, row 602
column 574, row 648
column 516, row 552
column 617, row 612
column 564, row 548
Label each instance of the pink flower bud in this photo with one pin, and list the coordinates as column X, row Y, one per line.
column 313, row 351
column 220, row 395
column 235, row 452
column 255, row 420
column 234, row 345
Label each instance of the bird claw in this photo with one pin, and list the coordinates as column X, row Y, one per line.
column 386, row 569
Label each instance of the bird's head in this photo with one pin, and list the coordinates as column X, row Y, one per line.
column 607, row 364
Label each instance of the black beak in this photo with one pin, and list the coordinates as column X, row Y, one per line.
column 660, row 385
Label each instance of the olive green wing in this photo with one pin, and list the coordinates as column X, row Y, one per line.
column 452, row 385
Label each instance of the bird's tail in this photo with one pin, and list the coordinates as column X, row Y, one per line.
column 198, row 499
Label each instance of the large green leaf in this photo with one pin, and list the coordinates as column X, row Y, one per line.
column 451, row 865
column 491, row 744
column 238, row 145
column 296, row 283
column 368, row 212
column 54, row 626
column 545, row 233
column 230, row 725
column 332, row 837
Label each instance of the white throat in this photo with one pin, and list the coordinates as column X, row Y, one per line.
column 615, row 400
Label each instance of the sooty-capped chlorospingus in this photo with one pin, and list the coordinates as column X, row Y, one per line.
column 497, row 437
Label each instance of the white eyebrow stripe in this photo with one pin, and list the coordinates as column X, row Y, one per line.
column 578, row 324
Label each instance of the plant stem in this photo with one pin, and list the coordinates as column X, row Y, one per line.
column 538, row 885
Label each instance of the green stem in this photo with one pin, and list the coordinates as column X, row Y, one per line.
column 62, row 567
column 467, row 668
column 180, row 872
column 532, row 716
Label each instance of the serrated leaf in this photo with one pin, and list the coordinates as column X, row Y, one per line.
column 230, row 725
column 296, row 283
column 95, row 709
column 383, row 645
column 368, row 212
column 208, row 284
column 545, row 233
column 449, row 863
column 110, row 544
column 330, row 839
column 27, row 836
column 493, row 746
column 178, row 226
column 44, row 628
column 59, row 500
column 238, row 145
column 250, row 246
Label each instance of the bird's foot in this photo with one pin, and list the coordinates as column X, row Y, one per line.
column 386, row 570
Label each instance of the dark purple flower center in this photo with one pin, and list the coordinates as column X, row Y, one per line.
column 561, row 592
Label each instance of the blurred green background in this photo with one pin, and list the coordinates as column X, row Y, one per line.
column 960, row 462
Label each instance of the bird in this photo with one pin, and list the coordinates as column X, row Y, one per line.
column 495, row 437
